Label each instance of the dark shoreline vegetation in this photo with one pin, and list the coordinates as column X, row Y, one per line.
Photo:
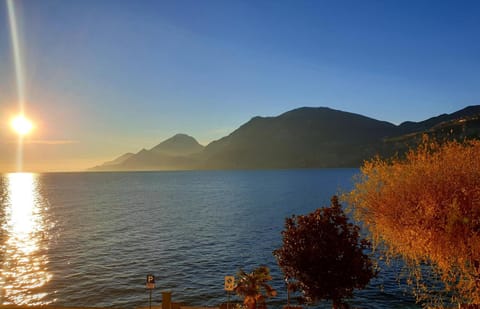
column 301, row 138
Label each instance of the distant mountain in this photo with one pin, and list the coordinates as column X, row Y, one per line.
column 119, row 160
column 306, row 137
column 177, row 152
column 178, row 145
column 411, row 127
column 464, row 127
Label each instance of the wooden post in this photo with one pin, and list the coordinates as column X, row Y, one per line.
column 150, row 300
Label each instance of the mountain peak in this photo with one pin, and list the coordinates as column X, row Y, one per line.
column 181, row 136
column 179, row 144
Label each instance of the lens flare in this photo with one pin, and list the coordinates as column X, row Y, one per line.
column 22, row 127
column 17, row 55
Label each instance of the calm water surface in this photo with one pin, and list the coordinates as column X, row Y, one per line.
column 89, row 239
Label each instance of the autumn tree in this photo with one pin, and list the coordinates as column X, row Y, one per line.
column 425, row 208
column 324, row 255
column 254, row 287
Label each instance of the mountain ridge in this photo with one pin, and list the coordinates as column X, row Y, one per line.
column 173, row 153
column 179, row 144
column 305, row 137
column 410, row 126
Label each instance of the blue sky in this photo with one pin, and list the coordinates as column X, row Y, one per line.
column 108, row 77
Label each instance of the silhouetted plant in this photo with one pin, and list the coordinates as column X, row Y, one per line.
column 253, row 287
column 324, row 255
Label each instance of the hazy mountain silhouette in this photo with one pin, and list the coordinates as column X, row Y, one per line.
column 306, row 137
column 119, row 160
column 174, row 153
column 178, row 145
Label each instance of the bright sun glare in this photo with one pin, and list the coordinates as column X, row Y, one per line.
column 21, row 125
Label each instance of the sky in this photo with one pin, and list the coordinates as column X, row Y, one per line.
column 103, row 78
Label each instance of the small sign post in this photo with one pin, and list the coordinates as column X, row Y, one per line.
column 150, row 285
column 229, row 286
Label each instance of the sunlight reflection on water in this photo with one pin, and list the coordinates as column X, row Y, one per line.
column 24, row 239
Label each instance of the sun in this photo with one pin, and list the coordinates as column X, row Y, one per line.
column 21, row 125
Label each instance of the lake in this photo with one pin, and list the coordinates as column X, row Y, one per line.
column 90, row 239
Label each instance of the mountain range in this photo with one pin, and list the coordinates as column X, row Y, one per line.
column 307, row 137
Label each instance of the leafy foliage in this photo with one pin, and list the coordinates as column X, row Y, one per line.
column 323, row 253
column 426, row 209
column 253, row 287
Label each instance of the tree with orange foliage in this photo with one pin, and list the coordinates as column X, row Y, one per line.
column 425, row 208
